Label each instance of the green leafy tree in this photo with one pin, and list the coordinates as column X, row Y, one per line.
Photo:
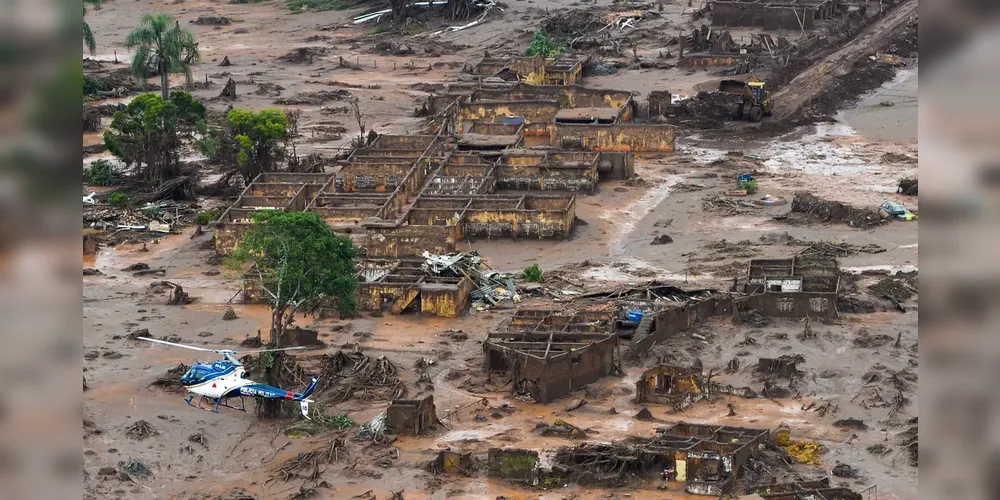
column 299, row 262
column 259, row 139
column 150, row 132
column 162, row 47
column 545, row 46
column 88, row 36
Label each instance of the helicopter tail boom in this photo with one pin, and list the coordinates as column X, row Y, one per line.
column 310, row 388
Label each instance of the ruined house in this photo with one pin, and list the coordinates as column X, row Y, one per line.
column 708, row 458
column 411, row 416
column 562, row 70
column 804, row 490
column 550, row 354
column 667, row 384
column 773, row 14
column 803, row 286
column 451, row 462
column 398, row 286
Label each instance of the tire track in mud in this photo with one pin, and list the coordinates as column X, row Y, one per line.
column 818, row 77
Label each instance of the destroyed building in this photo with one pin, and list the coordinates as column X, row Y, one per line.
column 803, row 286
column 549, row 354
column 404, row 195
column 503, row 161
column 452, row 462
column 708, row 458
column 411, row 416
column 773, row 15
column 398, row 286
column 804, row 490
column 667, row 384
column 442, row 285
column 560, row 70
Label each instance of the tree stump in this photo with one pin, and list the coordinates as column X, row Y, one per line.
column 229, row 91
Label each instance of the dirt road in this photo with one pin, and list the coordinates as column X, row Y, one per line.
column 818, row 77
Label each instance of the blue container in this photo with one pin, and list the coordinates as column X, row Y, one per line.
column 635, row 316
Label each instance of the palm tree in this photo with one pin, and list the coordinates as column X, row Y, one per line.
column 88, row 36
column 163, row 47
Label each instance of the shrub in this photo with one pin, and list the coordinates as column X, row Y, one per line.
column 317, row 5
column 119, row 199
column 101, row 173
column 545, row 46
column 206, row 217
column 91, row 86
column 533, row 274
column 750, row 186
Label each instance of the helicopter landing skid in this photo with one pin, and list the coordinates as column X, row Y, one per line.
column 218, row 402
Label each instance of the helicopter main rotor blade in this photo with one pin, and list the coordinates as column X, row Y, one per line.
column 271, row 350
column 193, row 348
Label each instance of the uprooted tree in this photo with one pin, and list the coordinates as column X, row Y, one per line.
column 148, row 135
column 299, row 262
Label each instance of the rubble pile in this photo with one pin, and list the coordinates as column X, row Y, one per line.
column 303, row 55
column 493, row 286
column 706, row 110
column 894, row 288
column 171, row 381
column 350, row 374
column 806, row 207
column 115, row 225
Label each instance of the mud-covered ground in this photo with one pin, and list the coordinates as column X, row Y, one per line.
column 854, row 364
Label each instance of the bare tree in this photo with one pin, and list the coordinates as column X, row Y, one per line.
column 359, row 115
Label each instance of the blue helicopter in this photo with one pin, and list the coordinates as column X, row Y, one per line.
column 217, row 382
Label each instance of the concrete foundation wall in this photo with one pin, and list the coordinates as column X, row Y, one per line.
column 560, row 374
column 228, row 236
column 615, row 165
column 571, row 96
column 792, row 305
column 532, row 111
column 409, row 241
column 445, row 300
column 411, row 416
column 546, row 177
column 765, row 15
column 669, row 322
column 616, row 137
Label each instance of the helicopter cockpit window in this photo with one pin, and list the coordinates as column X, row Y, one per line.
column 196, row 375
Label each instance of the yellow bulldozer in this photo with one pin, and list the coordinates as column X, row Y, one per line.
column 755, row 102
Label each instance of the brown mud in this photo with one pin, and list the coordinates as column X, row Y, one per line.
column 853, row 367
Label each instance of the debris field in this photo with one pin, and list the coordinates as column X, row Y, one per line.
column 578, row 274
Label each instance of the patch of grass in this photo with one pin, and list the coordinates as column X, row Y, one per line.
column 319, row 418
column 545, row 46
column 206, row 217
column 101, row 173
column 119, row 199
column 379, row 29
column 533, row 274
column 317, row 5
